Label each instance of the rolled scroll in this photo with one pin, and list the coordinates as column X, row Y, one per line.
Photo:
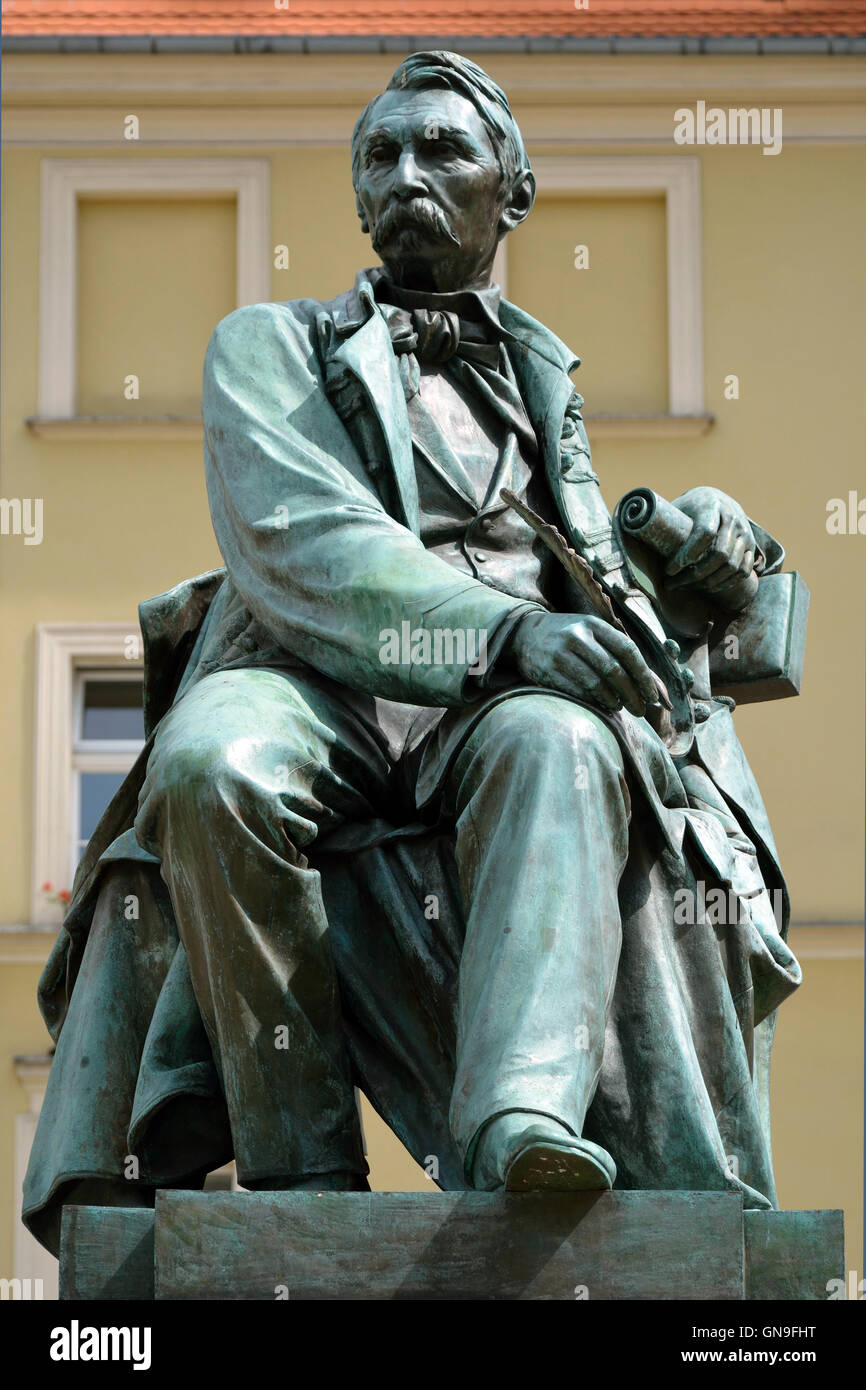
column 664, row 528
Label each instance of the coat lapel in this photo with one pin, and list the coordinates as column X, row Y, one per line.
column 367, row 353
column 542, row 363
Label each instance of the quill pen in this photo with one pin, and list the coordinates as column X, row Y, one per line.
column 578, row 568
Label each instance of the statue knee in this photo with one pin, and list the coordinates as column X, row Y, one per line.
column 545, row 756
column 543, row 728
column 209, row 782
column 184, row 779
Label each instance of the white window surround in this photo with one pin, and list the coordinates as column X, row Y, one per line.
column 678, row 179
column 64, row 181
column 60, row 649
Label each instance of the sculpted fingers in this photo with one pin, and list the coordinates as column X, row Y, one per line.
column 607, row 682
column 578, row 675
column 640, row 677
column 716, row 557
column 587, row 657
column 741, row 556
column 620, row 683
column 699, row 541
column 740, row 563
column 730, row 556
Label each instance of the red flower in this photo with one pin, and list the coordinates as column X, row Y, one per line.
column 46, row 887
column 64, row 896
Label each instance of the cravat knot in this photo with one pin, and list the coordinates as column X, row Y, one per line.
column 433, row 335
column 433, row 332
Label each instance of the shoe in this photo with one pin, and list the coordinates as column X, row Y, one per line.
column 548, row 1163
column 523, row 1151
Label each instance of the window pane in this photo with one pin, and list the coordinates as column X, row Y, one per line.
column 97, row 789
column 112, row 710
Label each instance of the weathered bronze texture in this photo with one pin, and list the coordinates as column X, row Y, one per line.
column 423, row 810
column 472, row 1245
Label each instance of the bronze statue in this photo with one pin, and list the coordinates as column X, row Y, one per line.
column 435, row 765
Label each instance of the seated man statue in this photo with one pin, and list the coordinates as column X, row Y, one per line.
column 398, row 656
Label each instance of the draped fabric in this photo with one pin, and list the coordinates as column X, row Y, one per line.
column 684, row 1059
column 681, row 1100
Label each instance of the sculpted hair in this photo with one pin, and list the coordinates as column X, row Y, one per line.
column 461, row 75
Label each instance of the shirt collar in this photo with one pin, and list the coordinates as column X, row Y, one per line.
column 478, row 306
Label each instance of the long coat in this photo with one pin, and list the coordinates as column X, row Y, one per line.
column 312, row 491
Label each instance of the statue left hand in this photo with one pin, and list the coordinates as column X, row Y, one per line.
column 721, row 546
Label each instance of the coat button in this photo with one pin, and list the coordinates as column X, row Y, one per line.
column 479, row 556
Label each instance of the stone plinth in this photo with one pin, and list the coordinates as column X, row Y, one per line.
column 470, row 1245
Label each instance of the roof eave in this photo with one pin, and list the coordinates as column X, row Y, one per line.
column 784, row 44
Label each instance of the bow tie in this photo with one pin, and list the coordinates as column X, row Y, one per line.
column 436, row 327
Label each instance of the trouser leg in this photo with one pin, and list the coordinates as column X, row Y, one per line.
column 542, row 811
column 246, row 770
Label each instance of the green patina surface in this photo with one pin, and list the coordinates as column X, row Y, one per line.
column 385, row 1246
column 455, row 885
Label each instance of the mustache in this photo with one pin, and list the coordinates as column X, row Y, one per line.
column 419, row 215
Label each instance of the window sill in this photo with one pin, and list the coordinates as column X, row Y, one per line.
column 647, row 426
column 109, row 428
column 28, row 943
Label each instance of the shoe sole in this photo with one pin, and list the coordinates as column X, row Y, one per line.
column 555, row 1167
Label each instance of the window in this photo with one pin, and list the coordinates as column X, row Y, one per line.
column 108, row 725
column 88, row 730
column 677, row 181
column 70, row 241
column 613, row 314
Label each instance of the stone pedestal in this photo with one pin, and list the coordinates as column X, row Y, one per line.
column 470, row 1245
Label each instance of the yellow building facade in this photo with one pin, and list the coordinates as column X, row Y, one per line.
column 716, row 294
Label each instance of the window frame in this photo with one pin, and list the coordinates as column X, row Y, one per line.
column 65, row 181
column 678, row 180
column 63, row 649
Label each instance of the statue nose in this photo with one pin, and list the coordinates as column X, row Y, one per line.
column 407, row 179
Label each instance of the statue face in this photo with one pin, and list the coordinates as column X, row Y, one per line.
column 431, row 190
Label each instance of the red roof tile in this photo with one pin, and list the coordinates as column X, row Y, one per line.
column 504, row 18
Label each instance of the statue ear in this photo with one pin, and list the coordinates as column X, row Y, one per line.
column 519, row 202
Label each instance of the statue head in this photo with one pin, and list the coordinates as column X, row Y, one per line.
column 440, row 173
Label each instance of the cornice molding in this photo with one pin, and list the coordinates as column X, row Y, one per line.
column 287, row 79
column 273, row 101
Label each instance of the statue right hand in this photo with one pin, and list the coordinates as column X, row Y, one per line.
column 583, row 656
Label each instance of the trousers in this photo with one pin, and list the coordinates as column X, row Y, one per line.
column 252, row 769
